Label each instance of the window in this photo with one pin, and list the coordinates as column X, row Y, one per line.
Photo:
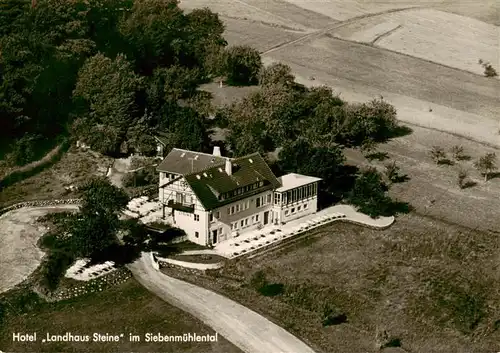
column 196, row 217
column 257, row 202
column 246, row 221
column 248, row 205
column 238, row 207
column 305, row 206
column 217, row 215
column 232, row 209
column 253, row 219
column 268, row 198
column 196, row 234
column 276, row 198
column 256, row 218
column 211, row 217
column 242, row 223
column 220, row 231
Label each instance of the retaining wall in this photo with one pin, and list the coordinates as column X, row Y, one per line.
column 191, row 265
column 40, row 203
column 98, row 284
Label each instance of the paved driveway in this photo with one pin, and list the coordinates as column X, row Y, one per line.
column 19, row 253
column 243, row 327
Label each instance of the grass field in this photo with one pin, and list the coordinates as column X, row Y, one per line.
column 438, row 36
column 74, row 167
column 127, row 308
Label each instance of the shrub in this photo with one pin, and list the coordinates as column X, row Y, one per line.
column 272, row 290
column 332, row 316
column 258, row 280
column 55, row 268
column 489, row 71
column 462, row 176
column 437, row 154
column 458, row 153
column 392, row 171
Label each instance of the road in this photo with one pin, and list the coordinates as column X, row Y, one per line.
column 241, row 326
column 19, row 234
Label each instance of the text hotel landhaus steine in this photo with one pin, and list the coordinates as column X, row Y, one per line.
column 106, row 337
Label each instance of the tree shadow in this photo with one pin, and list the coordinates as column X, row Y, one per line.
column 400, row 178
column 120, row 254
column 399, row 131
column 468, row 184
column 493, row 175
column 445, row 161
column 399, row 207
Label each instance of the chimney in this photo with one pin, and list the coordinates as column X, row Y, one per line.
column 217, row 151
column 229, row 167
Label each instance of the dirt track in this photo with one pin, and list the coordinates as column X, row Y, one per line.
column 241, row 326
column 19, row 234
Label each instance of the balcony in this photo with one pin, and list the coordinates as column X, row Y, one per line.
column 180, row 206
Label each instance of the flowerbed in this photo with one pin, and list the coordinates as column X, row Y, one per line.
column 68, row 291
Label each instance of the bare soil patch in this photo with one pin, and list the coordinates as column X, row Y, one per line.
column 127, row 308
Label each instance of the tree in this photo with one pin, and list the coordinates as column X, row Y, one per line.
column 369, row 194
column 437, row 154
column 155, row 31
column 304, row 158
column 242, row 65
column 458, row 152
column 106, row 91
column 486, row 164
column 205, row 31
column 95, row 227
column 101, row 197
column 276, row 74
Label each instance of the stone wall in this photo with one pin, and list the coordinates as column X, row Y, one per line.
column 40, row 203
column 98, row 284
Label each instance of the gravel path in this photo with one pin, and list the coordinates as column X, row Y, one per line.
column 241, row 326
column 19, row 233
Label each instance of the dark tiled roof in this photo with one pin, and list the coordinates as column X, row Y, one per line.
column 211, row 182
column 162, row 137
column 185, row 162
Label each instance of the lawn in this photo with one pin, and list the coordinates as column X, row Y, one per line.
column 127, row 308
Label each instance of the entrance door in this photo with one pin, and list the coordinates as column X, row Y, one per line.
column 214, row 236
column 266, row 217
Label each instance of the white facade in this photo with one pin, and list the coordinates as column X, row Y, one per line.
column 296, row 197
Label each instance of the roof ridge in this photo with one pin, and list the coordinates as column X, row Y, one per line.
column 205, row 169
column 206, row 154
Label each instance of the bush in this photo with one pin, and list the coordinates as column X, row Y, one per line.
column 437, row 154
column 22, row 302
column 489, row 71
column 55, row 268
column 332, row 316
column 242, row 65
column 258, row 280
column 272, row 290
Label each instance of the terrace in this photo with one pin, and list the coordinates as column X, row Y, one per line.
column 260, row 238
